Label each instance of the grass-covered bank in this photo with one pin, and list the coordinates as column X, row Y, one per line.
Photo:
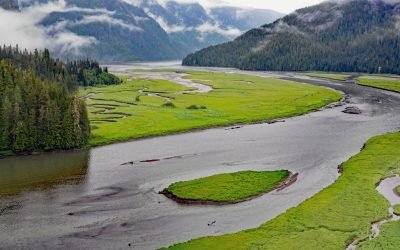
column 386, row 83
column 333, row 218
column 226, row 188
column 145, row 107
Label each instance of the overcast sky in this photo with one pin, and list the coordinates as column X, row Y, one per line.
column 285, row 6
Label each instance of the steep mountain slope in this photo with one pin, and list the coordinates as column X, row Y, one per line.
column 120, row 30
column 9, row 4
column 191, row 26
column 128, row 30
column 358, row 35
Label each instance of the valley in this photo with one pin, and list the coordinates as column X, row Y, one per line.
column 267, row 131
column 95, row 206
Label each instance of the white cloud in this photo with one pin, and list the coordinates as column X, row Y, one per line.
column 214, row 28
column 204, row 28
column 22, row 28
column 105, row 19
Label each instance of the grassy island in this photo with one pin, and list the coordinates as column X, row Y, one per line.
column 227, row 188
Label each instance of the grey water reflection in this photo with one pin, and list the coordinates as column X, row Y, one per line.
column 42, row 172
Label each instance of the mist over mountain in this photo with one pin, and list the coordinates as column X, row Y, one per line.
column 358, row 35
column 124, row 30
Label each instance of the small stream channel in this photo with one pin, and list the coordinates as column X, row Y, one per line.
column 387, row 189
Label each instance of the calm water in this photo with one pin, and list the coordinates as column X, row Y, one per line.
column 90, row 199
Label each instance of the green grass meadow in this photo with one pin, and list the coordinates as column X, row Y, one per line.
column 333, row 218
column 232, row 187
column 141, row 108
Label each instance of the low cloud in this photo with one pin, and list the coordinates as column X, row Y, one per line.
column 215, row 28
column 105, row 19
column 23, row 27
column 204, row 28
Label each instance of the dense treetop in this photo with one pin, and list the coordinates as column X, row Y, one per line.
column 39, row 115
column 74, row 73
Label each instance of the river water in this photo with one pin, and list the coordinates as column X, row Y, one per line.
column 92, row 200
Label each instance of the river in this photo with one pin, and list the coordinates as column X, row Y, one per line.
column 97, row 202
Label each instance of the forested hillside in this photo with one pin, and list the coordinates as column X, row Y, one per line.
column 39, row 105
column 37, row 114
column 358, row 35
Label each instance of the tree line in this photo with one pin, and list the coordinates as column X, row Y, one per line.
column 73, row 73
column 40, row 109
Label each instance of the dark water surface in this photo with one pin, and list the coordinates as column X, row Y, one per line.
column 91, row 200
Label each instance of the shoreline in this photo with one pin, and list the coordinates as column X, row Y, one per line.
column 227, row 127
column 291, row 179
column 338, row 103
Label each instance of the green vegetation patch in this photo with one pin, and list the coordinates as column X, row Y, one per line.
column 397, row 209
column 233, row 187
column 338, row 77
column 388, row 239
column 397, row 190
column 333, row 218
column 232, row 101
column 391, row 84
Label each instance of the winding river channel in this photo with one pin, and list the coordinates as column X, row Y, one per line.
column 92, row 200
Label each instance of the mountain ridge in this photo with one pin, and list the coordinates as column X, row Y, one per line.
column 360, row 35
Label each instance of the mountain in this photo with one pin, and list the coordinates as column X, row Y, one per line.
column 120, row 31
column 358, row 35
column 131, row 30
column 9, row 4
column 191, row 26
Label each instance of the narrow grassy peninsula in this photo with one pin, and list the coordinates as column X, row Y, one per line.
column 333, row 218
column 337, row 77
column 226, row 188
column 149, row 107
column 381, row 83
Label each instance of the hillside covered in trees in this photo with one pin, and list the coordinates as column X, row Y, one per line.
column 353, row 35
column 40, row 109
